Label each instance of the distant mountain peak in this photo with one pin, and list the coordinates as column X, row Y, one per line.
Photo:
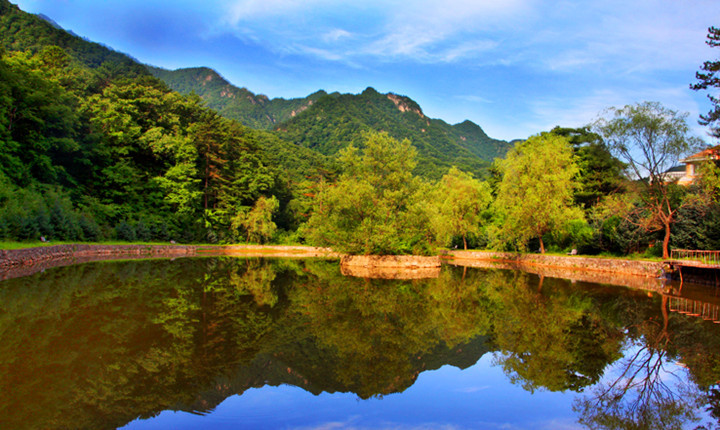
column 404, row 104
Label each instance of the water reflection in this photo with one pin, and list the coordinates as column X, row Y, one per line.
column 98, row 345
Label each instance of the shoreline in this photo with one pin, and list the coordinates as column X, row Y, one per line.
column 637, row 274
column 15, row 263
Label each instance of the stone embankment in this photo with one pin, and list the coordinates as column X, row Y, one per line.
column 638, row 274
column 645, row 275
column 390, row 266
column 397, row 261
column 23, row 262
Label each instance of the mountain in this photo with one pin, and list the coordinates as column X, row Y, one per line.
column 21, row 31
column 335, row 121
column 329, row 122
column 256, row 111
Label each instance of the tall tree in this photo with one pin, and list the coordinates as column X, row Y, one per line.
column 375, row 207
column 535, row 194
column 600, row 172
column 651, row 139
column 460, row 201
column 710, row 78
column 257, row 222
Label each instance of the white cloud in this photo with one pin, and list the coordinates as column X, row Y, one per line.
column 336, row 35
column 578, row 111
column 615, row 35
column 423, row 30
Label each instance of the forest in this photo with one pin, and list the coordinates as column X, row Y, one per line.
column 93, row 148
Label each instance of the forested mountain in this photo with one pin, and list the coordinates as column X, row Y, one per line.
column 93, row 147
column 256, row 111
column 338, row 120
column 330, row 122
column 21, row 31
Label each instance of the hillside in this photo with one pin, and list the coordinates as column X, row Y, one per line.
column 256, row 111
column 329, row 122
column 93, row 147
column 337, row 120
column 21, row 31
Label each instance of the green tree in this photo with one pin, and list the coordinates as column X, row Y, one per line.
column 535, row 194
column 600, row 172
column 376, row 206
column 709, row 78
column 651, row 139
column 460, row 201
column 257, row 222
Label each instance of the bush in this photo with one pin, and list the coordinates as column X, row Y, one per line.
column 125, row 231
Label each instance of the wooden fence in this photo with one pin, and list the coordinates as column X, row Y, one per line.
column 710, row 258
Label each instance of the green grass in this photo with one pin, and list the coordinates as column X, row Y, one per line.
column 36, row 244
column 634, row 257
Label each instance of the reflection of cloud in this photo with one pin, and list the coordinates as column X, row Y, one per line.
column 351, row 424
column 472, row 389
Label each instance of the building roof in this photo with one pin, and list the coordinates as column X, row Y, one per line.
column 708, row 154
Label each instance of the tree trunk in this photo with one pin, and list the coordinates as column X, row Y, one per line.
column 542, row 246
column 666, row 241
column 465, row 242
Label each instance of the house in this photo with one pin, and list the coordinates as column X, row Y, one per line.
column 694, row 161
column 674, row 174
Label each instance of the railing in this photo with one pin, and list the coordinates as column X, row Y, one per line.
column 695, row 308
column 706, row 257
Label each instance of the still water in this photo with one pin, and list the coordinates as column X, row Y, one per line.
column 227, row 343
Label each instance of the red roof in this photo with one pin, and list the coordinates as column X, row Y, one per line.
column 708, row 154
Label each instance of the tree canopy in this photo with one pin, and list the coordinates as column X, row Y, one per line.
column 376, row 206
column 708, row 79
column 651, row 139
column 535, row 193
column 459, row 203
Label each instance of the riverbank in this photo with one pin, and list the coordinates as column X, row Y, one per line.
column 643, row 268
column 20, row 262
column 25, row 261
column 639, row 274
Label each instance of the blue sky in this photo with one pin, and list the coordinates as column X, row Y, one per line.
column 515, row 67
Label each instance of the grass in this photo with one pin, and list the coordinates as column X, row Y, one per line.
column 634, row 257
column 36, row 244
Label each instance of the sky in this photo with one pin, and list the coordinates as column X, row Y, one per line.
column 514, row 67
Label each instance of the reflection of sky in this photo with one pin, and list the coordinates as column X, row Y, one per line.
column 448, row 398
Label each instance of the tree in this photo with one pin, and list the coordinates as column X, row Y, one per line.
column 710, row 78
column 376, row 207
column 257, row 222
column 600, row 172
column 460, row 202
column 651, row 139
column 535, row 193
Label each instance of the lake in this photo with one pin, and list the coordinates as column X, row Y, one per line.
column 228, row 343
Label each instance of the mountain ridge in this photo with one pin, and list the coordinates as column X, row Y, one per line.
column 341, row 119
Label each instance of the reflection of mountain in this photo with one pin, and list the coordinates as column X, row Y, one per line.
column 95, row 346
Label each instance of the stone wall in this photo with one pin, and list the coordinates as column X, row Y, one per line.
column 16, row 263
column 648, row 269
column 30, row 256
column 390, row 261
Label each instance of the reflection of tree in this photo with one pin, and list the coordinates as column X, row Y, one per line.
column 646, row 392
column 95, row 346
column 377, row 329
column 549, row 335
